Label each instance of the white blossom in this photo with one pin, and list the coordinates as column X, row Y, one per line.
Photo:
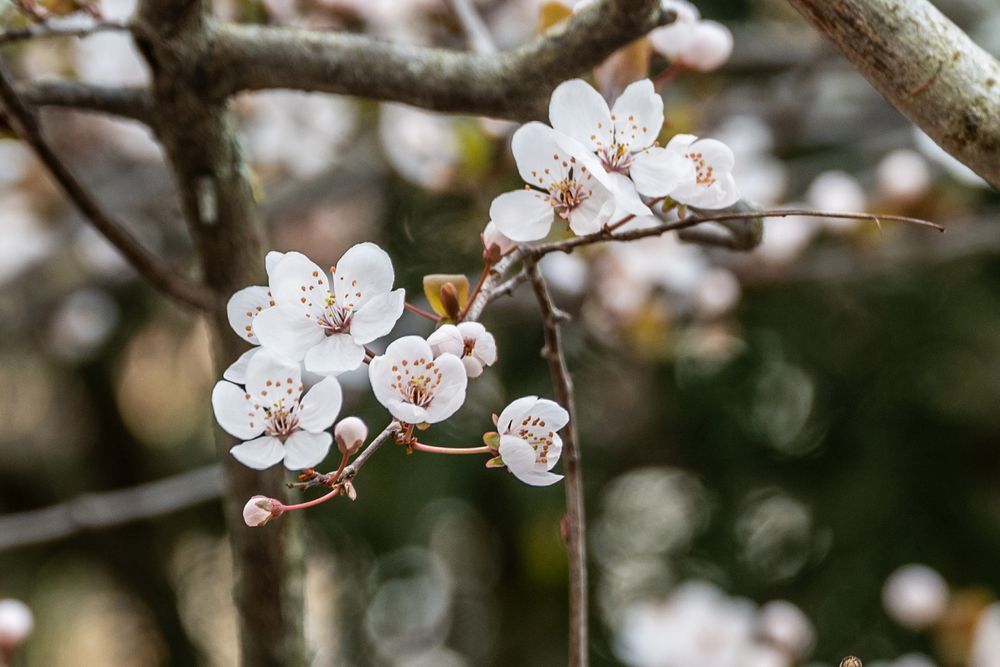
column 786, row 626
column 413, row 385
column 469, row 341
column 325, row 325
column 16, row 624
column 273, row 417
column 564, row 179
column 903, row 176
column 916, row 596
column 692, row 42
column 350, row 433
column 619, row 136
column 494, row 237
column 710, row 184
column 986, row 640
column 529, row 444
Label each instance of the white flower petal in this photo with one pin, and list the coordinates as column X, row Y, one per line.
column 237, row 371
column 626, row 197
column 320, row 406
column 365, row 271
column 449, row 395
column 539, row 157
column 271, row 377
column 657, row 171
column 297, row 281
column 593, row 212
column 638, row 114
column 405, row 412
column 579, row 111
column 377, row 316
column 259, row 454
column 306, row 450
column 288, row 330
column 271, row 260
column 334, row 354
column 244, row 306
column 519, row 457
column 522, row 215
column 514, row 412
column 447, row 339
column 473, row 367
column 235, row 412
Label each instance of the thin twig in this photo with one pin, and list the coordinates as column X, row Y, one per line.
column 45, row 30
column 575, row 521
column 112, row 508
column 476, row 32
column 160, row 275
column 388, row 433
column 131, row 102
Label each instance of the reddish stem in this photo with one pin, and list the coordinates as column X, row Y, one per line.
column 311, row 503
column 668, row 74
column 421, row 312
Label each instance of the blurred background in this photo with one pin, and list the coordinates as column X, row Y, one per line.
column 768, row 437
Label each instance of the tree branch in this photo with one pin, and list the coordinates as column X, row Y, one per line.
column 133, row 103
column 45, row 30
column 575, row 521
column 515, row 85
column 926, row 67
column 161, row 276
column 113, row 508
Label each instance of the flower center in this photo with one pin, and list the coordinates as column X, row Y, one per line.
column 281, row 421
column 566, row 195
column 615, row 158
column 704, row 172
column 335, row 319
column 416, row 382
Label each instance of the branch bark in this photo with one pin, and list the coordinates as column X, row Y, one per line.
column 218, row 204
column 514, row 85
column 167, row 280
column 926, row 67
column 133, row 103
column 575, row 521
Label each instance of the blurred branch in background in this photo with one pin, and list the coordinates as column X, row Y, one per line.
column 161, row 276
column 926, row 67
column 46, row 30
column 127, row 102
column 513, row 85
column 476, row 32
column 114, row 508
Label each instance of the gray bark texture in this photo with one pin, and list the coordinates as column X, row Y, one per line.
column 926, row 67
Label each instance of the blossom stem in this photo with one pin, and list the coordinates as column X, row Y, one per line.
column 344, row 458
column 668, row 74
column 311, row 503
column 434, row 449
column 421, row 312
column 487, row 267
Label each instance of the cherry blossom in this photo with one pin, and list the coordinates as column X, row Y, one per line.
column 916, row 596
column 564, row 179
column 691, row 42
column 273, row 417
column 414, row 386
column 327, row 326
column 709, row 185
column 469, row 341
column 529, row 444
column 619, row 136
column 493, row 237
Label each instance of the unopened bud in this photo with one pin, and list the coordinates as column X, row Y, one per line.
column 16, row 624
column 495, row 243
column 850, row 661
column 449, row 300
column 350, row 491
column 709, row 47
column 350, row 433
column 261, row 509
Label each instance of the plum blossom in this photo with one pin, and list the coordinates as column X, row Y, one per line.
column 414, row 386
column 710, row 184
column 529, row 444
column 273, row 417
column 469, row 341
column 916, row 596
column 690, row 41
column 619, row 136
column 564, row 179
column 493, row 237
column 327, row 325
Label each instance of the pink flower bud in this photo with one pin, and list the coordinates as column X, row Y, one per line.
column 350, row 433
column 494, row 237
column 261, row 509
column 16, row 624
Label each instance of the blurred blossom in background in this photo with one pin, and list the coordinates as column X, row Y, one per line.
column 791, row 454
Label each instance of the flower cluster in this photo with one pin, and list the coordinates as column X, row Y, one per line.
column 597, row 162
